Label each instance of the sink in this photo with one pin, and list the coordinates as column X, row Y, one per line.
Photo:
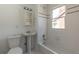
column 29, row 33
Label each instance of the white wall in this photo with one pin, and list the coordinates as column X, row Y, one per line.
column 64, row 40
column 11, row 22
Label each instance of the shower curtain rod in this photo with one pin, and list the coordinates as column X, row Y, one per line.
column 64, row 12
column 43, row 14
column 73, row 8
column 67, row 9
column 73, row 12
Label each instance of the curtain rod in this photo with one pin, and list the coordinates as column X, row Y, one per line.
column 43, row 14
column 73, row 12
column 73, row 7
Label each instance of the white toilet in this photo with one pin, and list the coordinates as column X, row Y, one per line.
column 14, row 45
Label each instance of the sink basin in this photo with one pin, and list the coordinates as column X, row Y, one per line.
column 28, row 34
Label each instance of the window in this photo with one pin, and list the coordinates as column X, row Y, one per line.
column 58, row 15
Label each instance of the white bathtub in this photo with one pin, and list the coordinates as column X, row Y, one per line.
column 44, row 49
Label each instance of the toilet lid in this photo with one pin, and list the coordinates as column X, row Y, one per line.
column 16, row 50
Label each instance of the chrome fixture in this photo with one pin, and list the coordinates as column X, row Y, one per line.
column 26, row 8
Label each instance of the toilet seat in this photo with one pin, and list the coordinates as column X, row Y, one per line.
column 16, row 50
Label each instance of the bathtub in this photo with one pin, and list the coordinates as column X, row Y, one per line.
column 46, row 50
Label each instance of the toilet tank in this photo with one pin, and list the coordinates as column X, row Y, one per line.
column 14, row 41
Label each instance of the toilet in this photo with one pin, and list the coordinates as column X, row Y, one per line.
column 14, row 42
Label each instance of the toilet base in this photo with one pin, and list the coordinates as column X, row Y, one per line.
column 16, row 50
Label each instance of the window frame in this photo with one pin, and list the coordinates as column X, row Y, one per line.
column 60, row 16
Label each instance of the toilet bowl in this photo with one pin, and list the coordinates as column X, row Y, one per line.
column 16, row 50
column 14, row 42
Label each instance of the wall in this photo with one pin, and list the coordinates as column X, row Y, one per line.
column 64, row 40
column 11, row 22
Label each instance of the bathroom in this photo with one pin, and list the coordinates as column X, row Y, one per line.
column 33, row 24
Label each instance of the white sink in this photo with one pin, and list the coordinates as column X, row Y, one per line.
column 28, row 34
column 29, row 40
